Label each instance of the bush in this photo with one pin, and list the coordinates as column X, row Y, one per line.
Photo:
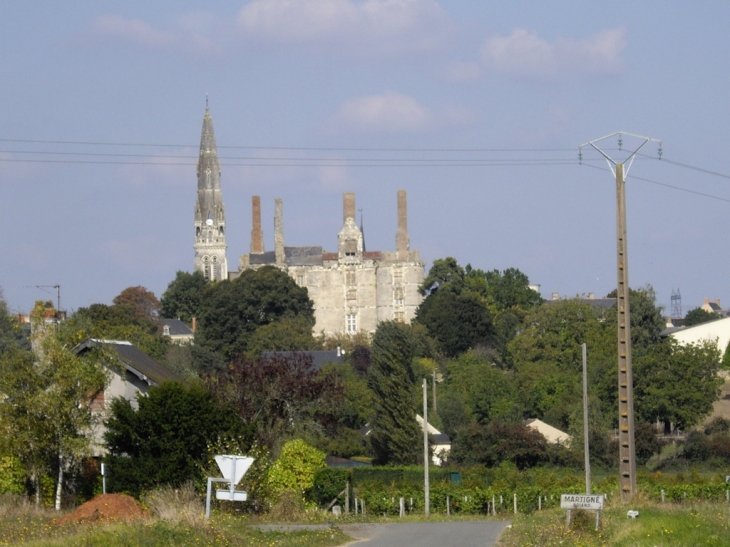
column 176, row 505
column 328, row 483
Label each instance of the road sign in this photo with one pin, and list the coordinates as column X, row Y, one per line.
column 581, row 501
column 238, row 495
column 233, row 468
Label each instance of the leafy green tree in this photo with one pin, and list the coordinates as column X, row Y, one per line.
column 46, row 412
column 547, row 357
column 675, row 383
column 647, row 322
column 164, row 440
column 487, row 392
column 698, row 316
column 394, row 436
column 183, row 297
column 233, row 310
column 499, row 442
column 289, row 334
column 295, row 468
column 457, row 321
column 11, row 333
column 444, row 271
column 507, row 289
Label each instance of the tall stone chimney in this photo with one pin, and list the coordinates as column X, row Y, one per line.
column 257, row 235
column 279, row 232
column 348, row 206
column 402, row 242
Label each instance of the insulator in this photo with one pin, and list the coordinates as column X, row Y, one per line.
column 620, row 141
column 580, row 157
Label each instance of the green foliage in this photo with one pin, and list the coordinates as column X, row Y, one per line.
column 503, row 290
column 457, row 321
column 394, row 436
column 289, row 334
column 164, row 440
column 295, row 468
column 647, row 322
column 12, row 475
column 698, row 316
column 499, row 442
column 328, row 483
column 677, row 383
column 233, row 310
column 444, row 271
column 183, row 297
column 11, row 333
column 144, row 303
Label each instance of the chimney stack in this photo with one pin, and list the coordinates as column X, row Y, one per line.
column 348, row 206
column 402, row 243
column 279, row 231
column 257, row 235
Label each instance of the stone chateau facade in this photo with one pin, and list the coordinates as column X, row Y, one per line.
column 352, row 289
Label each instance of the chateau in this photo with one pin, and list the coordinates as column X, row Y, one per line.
column 352, row 289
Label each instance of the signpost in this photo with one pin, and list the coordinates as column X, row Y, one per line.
column 589, row 502
column 233, row 468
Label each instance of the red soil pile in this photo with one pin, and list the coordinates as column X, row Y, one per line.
column 106, row 507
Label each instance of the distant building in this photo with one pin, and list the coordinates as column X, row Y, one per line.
column 713, row 307
column 352, row 289
column 136, row 373
column 551, row 434
column 177, row 331
column 596, row 303
column 717, row 331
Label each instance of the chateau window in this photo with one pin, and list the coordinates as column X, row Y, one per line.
column 351, row 323
column 300, row 280
column 350, row 279
column 215, row 276
column 206, row 267
column 399, row 298
column 399, row 316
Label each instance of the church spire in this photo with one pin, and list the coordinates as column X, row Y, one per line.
column 210, row 239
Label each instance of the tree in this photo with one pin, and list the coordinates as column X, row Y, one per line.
column 394, row 436
column 289, row 334
column 444, row 271
column 507, row 289
column 487, row 392
column 647, row 322
column 698, row 316
column 164, row 440
column 279, row 397
column 11, row 333
column 233, row 310
column 183, row 297
column 46, row 407
column 295, row 468
column 498, row 442
column 676, row 383
column 547, row 358
column 457, row 321
column 144, row 303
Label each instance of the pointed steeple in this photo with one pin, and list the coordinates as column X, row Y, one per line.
column 210, row 238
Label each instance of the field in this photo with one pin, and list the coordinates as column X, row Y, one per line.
column 696, row 524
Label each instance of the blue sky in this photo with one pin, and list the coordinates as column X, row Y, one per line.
column 307, row 92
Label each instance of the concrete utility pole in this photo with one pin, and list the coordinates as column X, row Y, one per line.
column 426, row 487
column 627, row 450
column 586, row 444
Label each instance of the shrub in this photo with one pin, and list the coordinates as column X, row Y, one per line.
column 176, row 505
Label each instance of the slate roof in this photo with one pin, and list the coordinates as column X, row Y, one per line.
column 135, row 361
column 177, row 327
column 319, row 358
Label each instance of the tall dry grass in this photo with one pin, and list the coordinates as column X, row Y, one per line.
column 176, row 505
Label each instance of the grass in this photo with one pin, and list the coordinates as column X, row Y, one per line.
column 698, row 524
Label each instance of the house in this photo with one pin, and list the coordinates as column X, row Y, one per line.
column 552, row 434
column 440, row 442
column 177, row 331
column 713, row 307
column 714, row 331
column 136, row 373
column 319, row 358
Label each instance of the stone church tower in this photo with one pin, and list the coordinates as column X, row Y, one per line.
column 210, row 221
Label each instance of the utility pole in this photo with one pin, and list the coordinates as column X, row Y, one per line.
column 627, row 448
column 586, row 444
column 426, row 487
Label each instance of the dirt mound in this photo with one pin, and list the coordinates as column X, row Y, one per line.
column 106, row 507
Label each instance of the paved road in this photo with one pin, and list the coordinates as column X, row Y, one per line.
column 419, row 534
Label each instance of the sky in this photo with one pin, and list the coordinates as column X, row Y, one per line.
column 476, row 109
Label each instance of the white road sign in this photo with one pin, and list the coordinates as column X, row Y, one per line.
column 581, row 501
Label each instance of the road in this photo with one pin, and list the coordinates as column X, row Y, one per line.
column 417, row 534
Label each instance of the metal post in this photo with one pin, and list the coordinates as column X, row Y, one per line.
column 426, row 489
column 207, row 498
column 585, row 421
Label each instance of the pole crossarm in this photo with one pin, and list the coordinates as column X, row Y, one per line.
column 629, row 161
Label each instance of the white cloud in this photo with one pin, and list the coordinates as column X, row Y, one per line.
column 137, row 32
column 524, row 54
column 387, row 113
column 373, row 25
